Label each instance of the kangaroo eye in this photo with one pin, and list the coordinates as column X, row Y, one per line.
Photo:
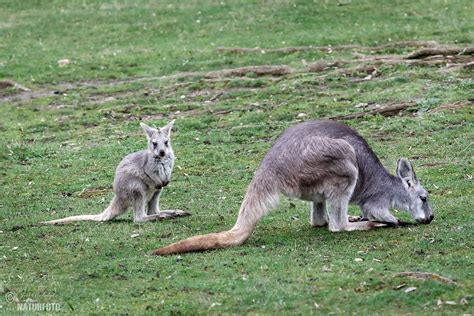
column 166, row 143
column 154, row 144
column 423, row 198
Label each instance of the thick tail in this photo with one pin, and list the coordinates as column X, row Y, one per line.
column 113, row 210
column 206, row 242
column 262, row 195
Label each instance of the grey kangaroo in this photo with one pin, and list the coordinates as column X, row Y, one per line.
column 330, row 165
column 139, row 179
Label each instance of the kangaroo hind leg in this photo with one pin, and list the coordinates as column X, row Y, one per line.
column 339, row 191
column 156, row 214
column 140, row 215
column 116, row 208
column 318, row 214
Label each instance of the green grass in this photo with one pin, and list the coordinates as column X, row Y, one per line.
column 55, row 146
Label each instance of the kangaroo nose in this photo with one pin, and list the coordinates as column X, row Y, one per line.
column 162, row 152
column 425, row 220
column 428, row 219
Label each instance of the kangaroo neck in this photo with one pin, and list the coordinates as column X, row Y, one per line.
column 374, row 181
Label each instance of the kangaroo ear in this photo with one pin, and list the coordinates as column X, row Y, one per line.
column 405, row 172
column 167, row 128
column 148, row 130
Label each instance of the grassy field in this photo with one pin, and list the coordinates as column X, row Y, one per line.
column 66, row 129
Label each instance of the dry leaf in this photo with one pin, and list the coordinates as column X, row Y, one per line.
column 410, row 289
column 63, row 62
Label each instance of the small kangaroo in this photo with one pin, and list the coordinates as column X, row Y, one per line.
column 139, row 179
column 323, row 162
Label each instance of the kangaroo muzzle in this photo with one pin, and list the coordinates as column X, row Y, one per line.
column 426, row 220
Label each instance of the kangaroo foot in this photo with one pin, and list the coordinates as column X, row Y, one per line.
column 176, row 213
column 397, row 224
column 163, row 215
column 358, row 226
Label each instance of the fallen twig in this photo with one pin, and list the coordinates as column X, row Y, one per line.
column 452, row 106
column 422, row 53
column 427, row 276
column 456, row 66
column 389, row 110
column 264, row 70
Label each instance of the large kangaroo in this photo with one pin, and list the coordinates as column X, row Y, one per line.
column 323, row 162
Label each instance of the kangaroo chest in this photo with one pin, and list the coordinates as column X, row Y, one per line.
column 157, row 175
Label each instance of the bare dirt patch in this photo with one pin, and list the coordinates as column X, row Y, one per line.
column 432, row 54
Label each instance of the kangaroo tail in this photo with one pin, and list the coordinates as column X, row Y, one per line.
column 113, row 210
column 262, row 195
column 76, row 218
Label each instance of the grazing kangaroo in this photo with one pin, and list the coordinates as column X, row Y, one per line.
column 321, row 162
column 139, row 180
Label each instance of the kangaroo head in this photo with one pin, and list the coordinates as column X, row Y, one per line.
column 417, row 201
column 159, row 143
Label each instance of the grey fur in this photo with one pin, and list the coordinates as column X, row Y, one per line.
column 330, row 165
column 139, row 180
column 324, row 161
